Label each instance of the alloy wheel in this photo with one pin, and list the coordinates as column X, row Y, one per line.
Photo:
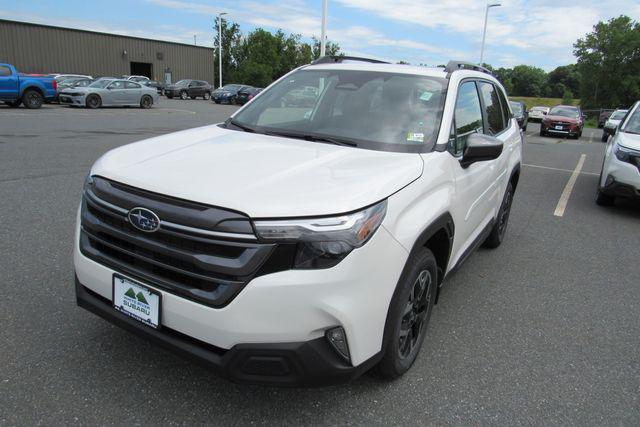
column 415, row 314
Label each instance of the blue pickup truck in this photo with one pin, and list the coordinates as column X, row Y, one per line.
column 17, row 88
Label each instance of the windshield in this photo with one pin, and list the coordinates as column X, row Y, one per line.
column 182, row 82
column 100, row 83
column 231, row 87
column 632, row 125
column 383, row 111
column 539, row 109
column 618, row 115
column 564, row 112
column 516, row 107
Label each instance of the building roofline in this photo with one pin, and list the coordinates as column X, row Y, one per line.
column 34, row 24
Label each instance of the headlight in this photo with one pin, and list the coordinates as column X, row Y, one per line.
column 324, row 242
column 622, row 154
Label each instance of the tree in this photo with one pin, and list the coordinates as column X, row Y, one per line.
column 567, row 97
column 528, row 81
column 562, row 78
column 231, row 39
column 609, row 64
column 331, row 48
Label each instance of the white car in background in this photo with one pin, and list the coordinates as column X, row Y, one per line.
column 536, row 114
column 620, row 176
column 612, row 123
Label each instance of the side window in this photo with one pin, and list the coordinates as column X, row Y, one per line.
column 467, row 118
column 505, row 107
column 493, row 109
column 117, row 85
column 131, row 85
column 5, row 71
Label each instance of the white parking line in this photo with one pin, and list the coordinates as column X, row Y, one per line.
column 558, row 169
column 566, row 193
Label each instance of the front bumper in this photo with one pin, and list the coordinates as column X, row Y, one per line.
column 566, row 130
column 293, row 306
column 223, row 99
column 310, row 363
column 78, row 100
column 621, row 179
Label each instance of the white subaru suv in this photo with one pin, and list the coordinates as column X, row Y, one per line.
column 620, row 175
column 305, row 240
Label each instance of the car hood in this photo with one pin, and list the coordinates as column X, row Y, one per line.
column 262, row 176
column 628, row 140
column 612, row 123
column 561, row 119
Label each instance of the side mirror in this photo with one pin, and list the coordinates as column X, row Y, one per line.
column 480, row 147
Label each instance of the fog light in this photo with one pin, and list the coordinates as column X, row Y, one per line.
column 338, row 340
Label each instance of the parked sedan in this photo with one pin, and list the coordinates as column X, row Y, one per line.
column 536, row 114
column 107, row 92
column 603, row 117
column 246, row 95
column 520, row 113
column 227, row 94
column 188, row 88
column 565, row 120
column 70, row 83
column 612, row 123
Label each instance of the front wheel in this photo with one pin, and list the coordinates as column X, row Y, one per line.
column 206, row 96
column 605, row 136
column 146, row 102
column 32, row 99
column 94, row 101
column 409, row 314
column 499, row 230
column 184, row 95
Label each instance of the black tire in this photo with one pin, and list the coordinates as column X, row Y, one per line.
column 93, row 101
column 409, row 314
column 499, row 230
column 604, row 199
column 146, row 102
column 217, row 102
column 542, row 133
column 14, row 104
column 605, row 136
column 206, row 96
column 170, row 96
column 183, row 95
column 233, row 100
column 32, row 99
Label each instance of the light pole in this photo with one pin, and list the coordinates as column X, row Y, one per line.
column 484, row 32
column 323, row 33
column 220, row 45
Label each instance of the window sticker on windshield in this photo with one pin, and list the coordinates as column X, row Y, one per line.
column 415, row 137
column 426, row 96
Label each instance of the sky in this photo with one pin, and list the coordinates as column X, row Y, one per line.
column 532, row 32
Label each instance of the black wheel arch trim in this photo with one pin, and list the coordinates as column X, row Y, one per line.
column 443, row 223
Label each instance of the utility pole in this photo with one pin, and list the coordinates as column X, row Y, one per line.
column 323, row 33
column 484, row 32
column 194, row 40
column 220, row 46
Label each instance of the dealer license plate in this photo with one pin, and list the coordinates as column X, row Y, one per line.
column 136, row 300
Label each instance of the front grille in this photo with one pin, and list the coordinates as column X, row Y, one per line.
column 202, row 253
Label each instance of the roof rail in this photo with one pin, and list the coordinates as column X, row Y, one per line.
column 340, row 58
column 462, row 65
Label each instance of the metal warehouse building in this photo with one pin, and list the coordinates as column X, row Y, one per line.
column 35, row 48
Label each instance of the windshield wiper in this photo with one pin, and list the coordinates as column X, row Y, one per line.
column 241, row 126
column 314, row 138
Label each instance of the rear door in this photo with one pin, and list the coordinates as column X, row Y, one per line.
column 8, row 83
column 132, row 93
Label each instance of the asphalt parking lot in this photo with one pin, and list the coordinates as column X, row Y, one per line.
column 543, row 330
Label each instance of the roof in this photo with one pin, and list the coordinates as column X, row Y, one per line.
column 33, row 24
column 383, row 68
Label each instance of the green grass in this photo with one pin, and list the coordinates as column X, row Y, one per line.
column 591, row 122
column 541, row 102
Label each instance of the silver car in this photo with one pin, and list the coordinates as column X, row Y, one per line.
column 110, row 92
column 612, row 123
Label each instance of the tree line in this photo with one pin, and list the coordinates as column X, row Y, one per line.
column 606, row 73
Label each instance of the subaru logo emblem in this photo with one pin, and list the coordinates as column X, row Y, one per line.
column 144, row 220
